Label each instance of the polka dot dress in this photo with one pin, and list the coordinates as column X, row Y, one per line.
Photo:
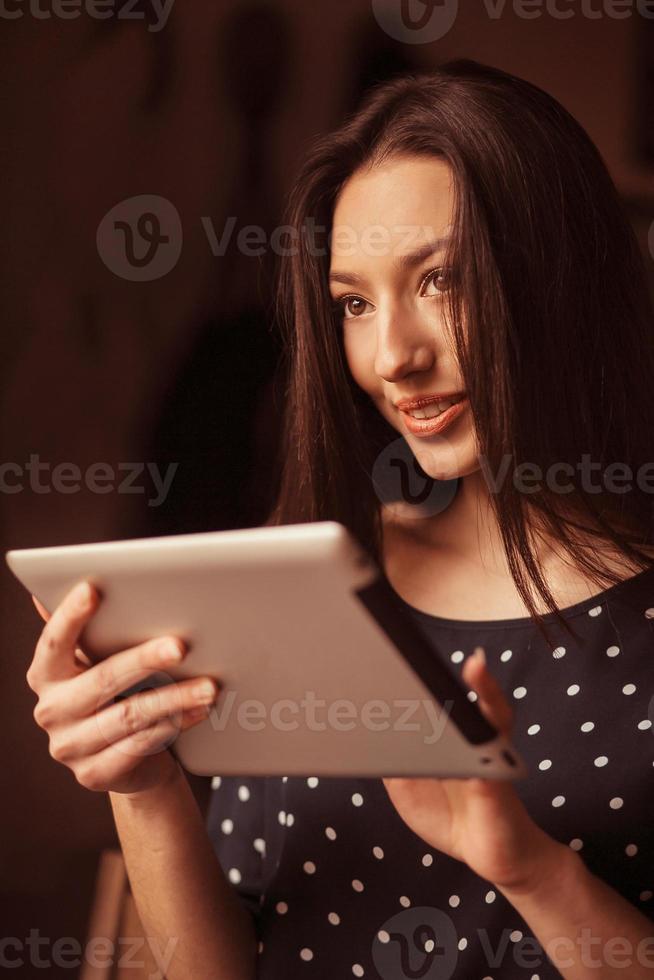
column 339, row 887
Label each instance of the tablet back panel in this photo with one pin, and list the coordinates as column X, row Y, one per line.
column 322, row 671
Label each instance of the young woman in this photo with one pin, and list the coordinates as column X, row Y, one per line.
column 478, row 296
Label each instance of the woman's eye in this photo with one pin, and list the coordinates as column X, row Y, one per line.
column 439, row 279
column 346, row 303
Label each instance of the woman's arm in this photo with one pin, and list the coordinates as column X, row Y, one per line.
column 585, row 927
column 192, row 918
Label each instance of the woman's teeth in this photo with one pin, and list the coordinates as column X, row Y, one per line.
column 431, row 411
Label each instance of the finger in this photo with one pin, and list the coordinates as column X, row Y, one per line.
column 106, row 767
column 82, row 659
column 490, row 697
column 42, row 611
column 135, row 714
column 80, row 656
column 93, row 688
column 54, row 657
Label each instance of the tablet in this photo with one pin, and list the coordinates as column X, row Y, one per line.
column 322, row 670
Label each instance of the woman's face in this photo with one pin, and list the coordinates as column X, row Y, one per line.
column 392, row 305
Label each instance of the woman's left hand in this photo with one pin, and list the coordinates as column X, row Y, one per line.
column 479, row 821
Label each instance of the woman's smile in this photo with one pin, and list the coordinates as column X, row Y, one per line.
column 432, row 419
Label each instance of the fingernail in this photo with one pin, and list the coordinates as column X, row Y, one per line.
column 480, row 654
column 171, row 651
column 83, row 594
column 205, row 691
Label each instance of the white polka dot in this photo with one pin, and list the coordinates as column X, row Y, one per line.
column 284, row 779
column 406, row 902
column 281, row 816
column 630, row 850
column 357, row 885
column 215, row 782
column 378, row 852
column 595, row 611
column 644, row 725
column 646, row 895
column 259, row 845
column 282, row 908
column 330, row 833
column 427, row 860
column 334, row 918
column 383, row 936
column 454, row 901
column 312, row 782
column 629, row 689
column 357, row 799
column 533, row 730
column 260, row 947
column 457, row 656
column 545, row 764
column 519, row 692
column 309, row 867
column 616, row 802
column 588, row 726
column 227, row 826
column 612, row 651
column 600, row 761
column 576, row 844
column 234, row 876
column 290, row 819
column 506, row 655
column 471, row 695
column 650, row 613
column 243, row 794
column 429, row 945
column 515, row 936
column 558, row 801
column 558, row 652
column 573, row 689
column 357, row 970
column 490, row 897
column 306, row 954
column 463, row 942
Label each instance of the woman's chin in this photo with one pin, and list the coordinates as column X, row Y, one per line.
column 444, row 462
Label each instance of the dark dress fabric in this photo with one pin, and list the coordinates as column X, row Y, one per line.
column 338, row 885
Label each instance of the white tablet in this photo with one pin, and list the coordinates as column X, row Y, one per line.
column 323, row 672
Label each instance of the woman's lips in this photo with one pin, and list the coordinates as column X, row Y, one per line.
column 432, row 427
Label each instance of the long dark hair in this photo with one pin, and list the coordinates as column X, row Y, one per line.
column 559, row 358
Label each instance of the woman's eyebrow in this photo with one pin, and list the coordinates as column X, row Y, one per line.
column 405, row 261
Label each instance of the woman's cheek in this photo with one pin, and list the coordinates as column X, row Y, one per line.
column 360, row 355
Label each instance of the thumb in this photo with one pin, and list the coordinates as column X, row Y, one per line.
column 491, row 700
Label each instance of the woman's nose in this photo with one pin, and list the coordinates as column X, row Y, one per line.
column 403, row 346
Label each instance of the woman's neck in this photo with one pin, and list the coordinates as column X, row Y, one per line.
column 457, row 559
column 467, row 528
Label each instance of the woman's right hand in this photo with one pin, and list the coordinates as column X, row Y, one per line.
column 116, row 747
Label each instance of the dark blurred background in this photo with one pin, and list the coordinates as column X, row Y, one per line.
column 119, row 347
